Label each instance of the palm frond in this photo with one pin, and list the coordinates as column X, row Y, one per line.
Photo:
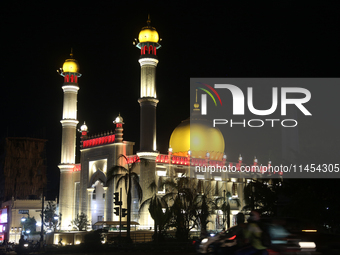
column 114, row 171
column 122, row 178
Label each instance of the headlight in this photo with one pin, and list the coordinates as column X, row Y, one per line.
column 204, row 240
column 26, row 245
column 307, row 245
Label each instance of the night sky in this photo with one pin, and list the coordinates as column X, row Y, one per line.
column 281, row 39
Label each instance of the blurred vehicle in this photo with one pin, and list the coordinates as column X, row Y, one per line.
column 283, row 242
column 312, row 235
column 285, row 238
column 213, row 242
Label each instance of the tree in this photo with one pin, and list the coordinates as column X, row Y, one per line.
column 51, row 219
column 156, row 205
column 80, row 222
column 131, row 179
column 189, row 208
column 29, row 225
column 262, row 196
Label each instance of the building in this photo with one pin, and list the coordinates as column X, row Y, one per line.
column 84, row 186
column 13, row 214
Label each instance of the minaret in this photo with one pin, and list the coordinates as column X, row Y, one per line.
column 68, row 146
column 148, row 44
column 119, row 129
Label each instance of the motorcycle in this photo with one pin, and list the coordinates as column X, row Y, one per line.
column 212, row 243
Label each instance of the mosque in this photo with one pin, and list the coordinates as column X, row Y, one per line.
column 84, row 186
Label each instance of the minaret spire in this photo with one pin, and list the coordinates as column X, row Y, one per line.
column 70, row 72
column 149, row 20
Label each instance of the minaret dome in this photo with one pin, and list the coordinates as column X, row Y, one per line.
column 70, row 65
column 148, row 34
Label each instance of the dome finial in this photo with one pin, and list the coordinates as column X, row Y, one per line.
column 71, row 54
column 119, row 120
column 148, row 22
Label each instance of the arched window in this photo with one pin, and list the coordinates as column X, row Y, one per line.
column 145, row 49
column 94, row 194
column 154, row 50
column 75, row 78
column 66, row 78
column 71, row 78
column 150, row 49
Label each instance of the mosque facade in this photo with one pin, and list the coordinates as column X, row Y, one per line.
column 85, row 187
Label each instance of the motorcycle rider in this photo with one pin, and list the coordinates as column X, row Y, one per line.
column 253, row 233
column 238, row 230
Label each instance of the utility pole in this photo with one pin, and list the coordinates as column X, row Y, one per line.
column 120, row 213
column 42, row 220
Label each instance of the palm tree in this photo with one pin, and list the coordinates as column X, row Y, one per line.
column 203, row 204
column 156, row 204
column 186, row 206
column 224, row 207
column 131, row 179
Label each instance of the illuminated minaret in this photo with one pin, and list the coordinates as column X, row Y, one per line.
column 68, row 146
column 148, row 44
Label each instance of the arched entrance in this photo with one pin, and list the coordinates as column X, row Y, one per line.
column 97, row 200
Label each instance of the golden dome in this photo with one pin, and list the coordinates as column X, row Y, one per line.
column 70, row 66
column 204, row 138
column 148, row 34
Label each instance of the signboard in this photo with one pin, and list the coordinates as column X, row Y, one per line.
column 3, row 215
column 23, row 211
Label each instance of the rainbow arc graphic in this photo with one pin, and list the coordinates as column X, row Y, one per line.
column 204, row 97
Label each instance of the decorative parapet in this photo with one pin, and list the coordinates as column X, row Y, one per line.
column 96, row 141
